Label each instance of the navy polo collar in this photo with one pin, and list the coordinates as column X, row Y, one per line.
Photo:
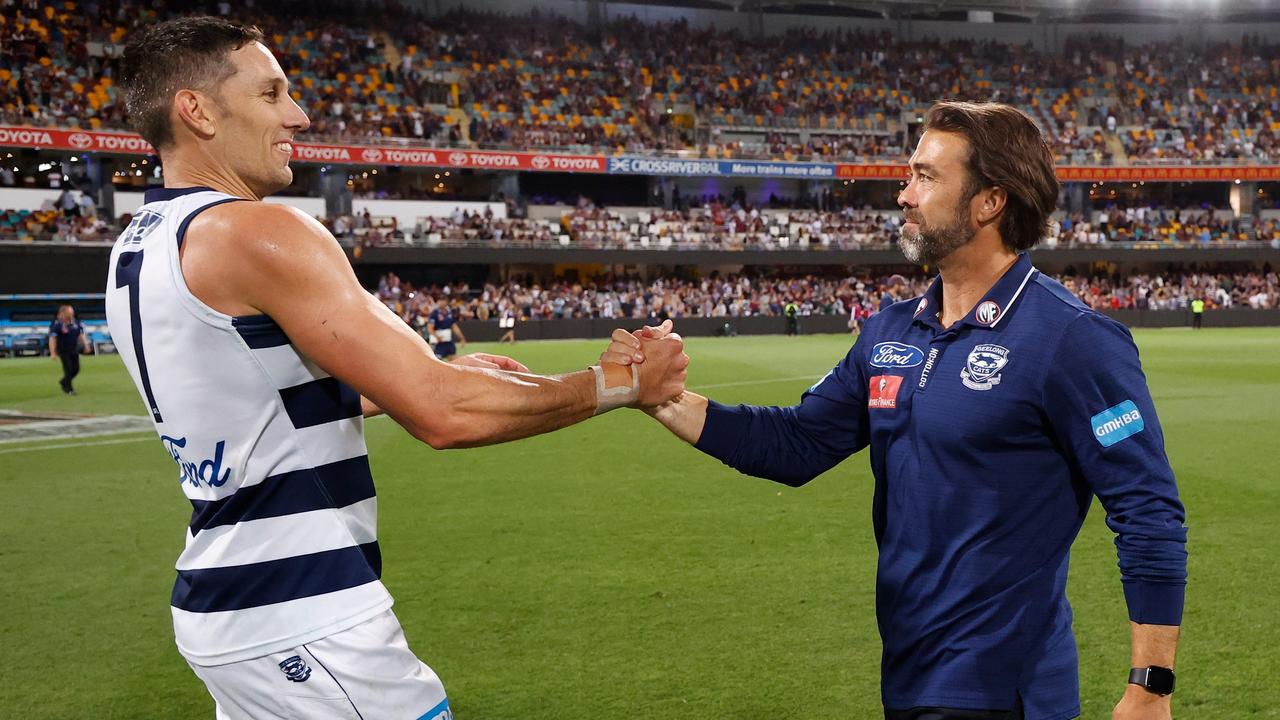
column 994, row 307
column 162, row 194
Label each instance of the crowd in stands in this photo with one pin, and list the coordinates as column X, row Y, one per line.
column 857, row 296
column 718, row 224
column 537, row 80
column 1176, row 290
column 737, row 226
column 715, row 296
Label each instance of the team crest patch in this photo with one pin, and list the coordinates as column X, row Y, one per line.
column 884, row 392
column 988, row 313
column 295, row 669
column 982, row 369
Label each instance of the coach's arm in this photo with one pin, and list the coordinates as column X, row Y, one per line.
column 791, row 445
column 1127, row 468
column 255, row 258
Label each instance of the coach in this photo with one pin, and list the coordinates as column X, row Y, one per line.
column 996, row 406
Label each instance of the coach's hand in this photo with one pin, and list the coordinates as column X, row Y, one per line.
column 1138, row 704
column 492, row 362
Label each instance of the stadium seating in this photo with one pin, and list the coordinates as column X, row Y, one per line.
column 467, row 78
column 739, row 296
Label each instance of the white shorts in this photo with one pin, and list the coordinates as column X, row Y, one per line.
column 364, row 673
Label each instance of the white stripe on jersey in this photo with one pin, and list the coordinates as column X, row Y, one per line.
column 255, row 541
column 195, row 631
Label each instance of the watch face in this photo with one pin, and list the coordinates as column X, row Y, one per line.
column 1155, row 679
column 1160, row 680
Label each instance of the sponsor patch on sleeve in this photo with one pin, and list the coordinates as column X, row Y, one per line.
column 1117, row 423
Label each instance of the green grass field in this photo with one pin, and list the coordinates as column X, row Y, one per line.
column 609, row 571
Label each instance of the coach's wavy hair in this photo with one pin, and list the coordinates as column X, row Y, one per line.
column 1006, row 150
column 185, row 53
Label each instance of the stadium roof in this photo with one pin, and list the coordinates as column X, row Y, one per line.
column 1068, row 10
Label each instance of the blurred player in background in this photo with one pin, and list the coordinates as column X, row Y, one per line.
column 67, row 339
column 443, row 326
column 996, row 406
column 258, row 354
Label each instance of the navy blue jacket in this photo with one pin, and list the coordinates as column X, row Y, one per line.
column 988, row 441
column 67, row 336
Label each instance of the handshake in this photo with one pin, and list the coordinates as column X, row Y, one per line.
column 644, row 369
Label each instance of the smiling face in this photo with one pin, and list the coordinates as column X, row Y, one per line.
column 257, row 120
column 936, row 199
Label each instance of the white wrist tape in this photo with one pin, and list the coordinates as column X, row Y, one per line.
column 609, row 397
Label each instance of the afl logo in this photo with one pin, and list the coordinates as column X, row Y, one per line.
column 540, row 161
column 372, row 155
column 988, row 313
column 80, row 140
column 457, row 158
column 924, row 303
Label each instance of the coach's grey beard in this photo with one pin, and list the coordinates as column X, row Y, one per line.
column 930, row 244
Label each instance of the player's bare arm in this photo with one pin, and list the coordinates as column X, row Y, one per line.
column 256, row 258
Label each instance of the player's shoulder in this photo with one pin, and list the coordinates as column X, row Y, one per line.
column 259, row 229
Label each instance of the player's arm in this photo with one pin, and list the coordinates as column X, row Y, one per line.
column 277, row 261
column 791, row 445
column 1101, row 411
column 457, row 330
column 53, row 346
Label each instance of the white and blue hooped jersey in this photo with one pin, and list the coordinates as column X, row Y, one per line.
column 282, row 546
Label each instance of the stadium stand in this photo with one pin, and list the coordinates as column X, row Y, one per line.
column 742, row 296
column 475, row 79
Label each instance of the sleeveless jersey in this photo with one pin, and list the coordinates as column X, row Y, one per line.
column 282, row 545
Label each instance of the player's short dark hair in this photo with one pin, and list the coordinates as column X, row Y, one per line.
column 185, row 53
column 1006, row 150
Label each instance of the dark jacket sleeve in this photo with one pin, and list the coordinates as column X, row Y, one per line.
column 793, row 445
column 1097, row 400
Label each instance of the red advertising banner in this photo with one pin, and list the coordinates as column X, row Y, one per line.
column 131, row 144
column 846, row 171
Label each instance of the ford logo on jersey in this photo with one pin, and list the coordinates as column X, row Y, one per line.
column 1117, row 423
column 895, row 355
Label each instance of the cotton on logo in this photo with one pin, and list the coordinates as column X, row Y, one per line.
column 540, row 161
column 372, row 155
column 457, row 158
column 80, row 140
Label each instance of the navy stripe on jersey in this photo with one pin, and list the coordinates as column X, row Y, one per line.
column 335, row 485
column 239, row 587
column 259, row 331
column 182, row 227
column 319, row 402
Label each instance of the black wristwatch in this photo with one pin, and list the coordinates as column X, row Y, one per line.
column 1154, row 679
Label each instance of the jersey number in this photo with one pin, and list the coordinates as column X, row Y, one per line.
column 128, row 270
